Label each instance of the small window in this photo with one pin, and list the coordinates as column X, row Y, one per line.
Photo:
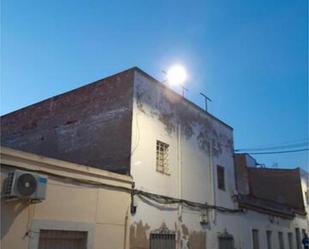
column 51, row 239
column 303, row 231
column 255, row 239
column 162, row 241
column 220, row 177
column 269, row 239
column 162, row 157
column 281, row 241
column 298, row 238
column 290, row 239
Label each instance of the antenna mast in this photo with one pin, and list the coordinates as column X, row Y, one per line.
column 206, row 99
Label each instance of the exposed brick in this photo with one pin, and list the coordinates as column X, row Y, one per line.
column 90, row 125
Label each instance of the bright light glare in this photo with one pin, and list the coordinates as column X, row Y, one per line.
column 177, row 75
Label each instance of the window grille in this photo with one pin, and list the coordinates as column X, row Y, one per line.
column 226, row 241
column 51, row 239
column 162, row 238
column 162, row 157
column 162, row 241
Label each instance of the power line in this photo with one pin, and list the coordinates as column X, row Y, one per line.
column 304, row 144
column 278, row 152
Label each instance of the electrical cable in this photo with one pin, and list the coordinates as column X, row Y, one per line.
column 278, row 152
column 171, row 200
column 304, row 144
column 162, row 199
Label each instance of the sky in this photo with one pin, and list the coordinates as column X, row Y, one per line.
column 249, row 57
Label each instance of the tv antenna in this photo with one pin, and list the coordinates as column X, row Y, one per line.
column 206, row 99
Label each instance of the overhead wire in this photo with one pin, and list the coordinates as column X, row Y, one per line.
column 278, row 152
column 287, row 147
column 161, row 199
column 304, row 144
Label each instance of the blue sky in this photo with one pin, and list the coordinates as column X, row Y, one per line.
column 250, row 57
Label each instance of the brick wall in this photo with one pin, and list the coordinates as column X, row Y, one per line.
column 90, row 125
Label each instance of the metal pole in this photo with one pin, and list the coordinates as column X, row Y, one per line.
column 206, row 99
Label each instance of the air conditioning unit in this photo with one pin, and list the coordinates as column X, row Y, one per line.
column 25, row 185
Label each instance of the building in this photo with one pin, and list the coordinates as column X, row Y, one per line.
column 83, row 208
column 276, row 203
column 180, row 157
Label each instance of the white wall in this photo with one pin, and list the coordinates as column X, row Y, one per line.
column 192, row 164
column 161, row 115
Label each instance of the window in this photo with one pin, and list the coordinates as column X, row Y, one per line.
column 162, row 157
column 50, row 239
column 226, row 242
column 255, row 239
column 303, row 231
column 269, row 239
column 298, row 239
column 281, row 241
column 162, row 241
column 290, row 240
column 52, row 234
column 220, row 177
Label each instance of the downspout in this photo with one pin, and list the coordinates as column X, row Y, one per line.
column 213, row 182
column 179, row 166
column 179, row 161
column 126, row 231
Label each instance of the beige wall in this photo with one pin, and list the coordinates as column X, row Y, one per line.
column 69, row 205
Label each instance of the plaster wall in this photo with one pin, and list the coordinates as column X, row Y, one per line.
column 69, row 205
column 198, row 143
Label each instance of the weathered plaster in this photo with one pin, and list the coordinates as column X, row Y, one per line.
column 138, row 235
column 171, row 111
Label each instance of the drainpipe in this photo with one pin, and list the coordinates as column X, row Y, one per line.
column 179, row 161
column 179, row 167
column 126, row 230
column 213, row 182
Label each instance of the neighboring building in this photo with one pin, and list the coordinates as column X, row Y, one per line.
column 83, row 208
column 181, row 159
column 276, row 199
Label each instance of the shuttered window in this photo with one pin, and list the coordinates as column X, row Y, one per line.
column 290, row 239
column 298, row 238
column 220, row 177
column 162, row 241
column 58, row 239
column 255, row 239
column 269, row 239
column 281, row 241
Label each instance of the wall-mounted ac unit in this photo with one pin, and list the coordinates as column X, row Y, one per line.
column 25, row 185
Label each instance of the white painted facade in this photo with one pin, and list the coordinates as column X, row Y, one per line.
column 196, row 147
